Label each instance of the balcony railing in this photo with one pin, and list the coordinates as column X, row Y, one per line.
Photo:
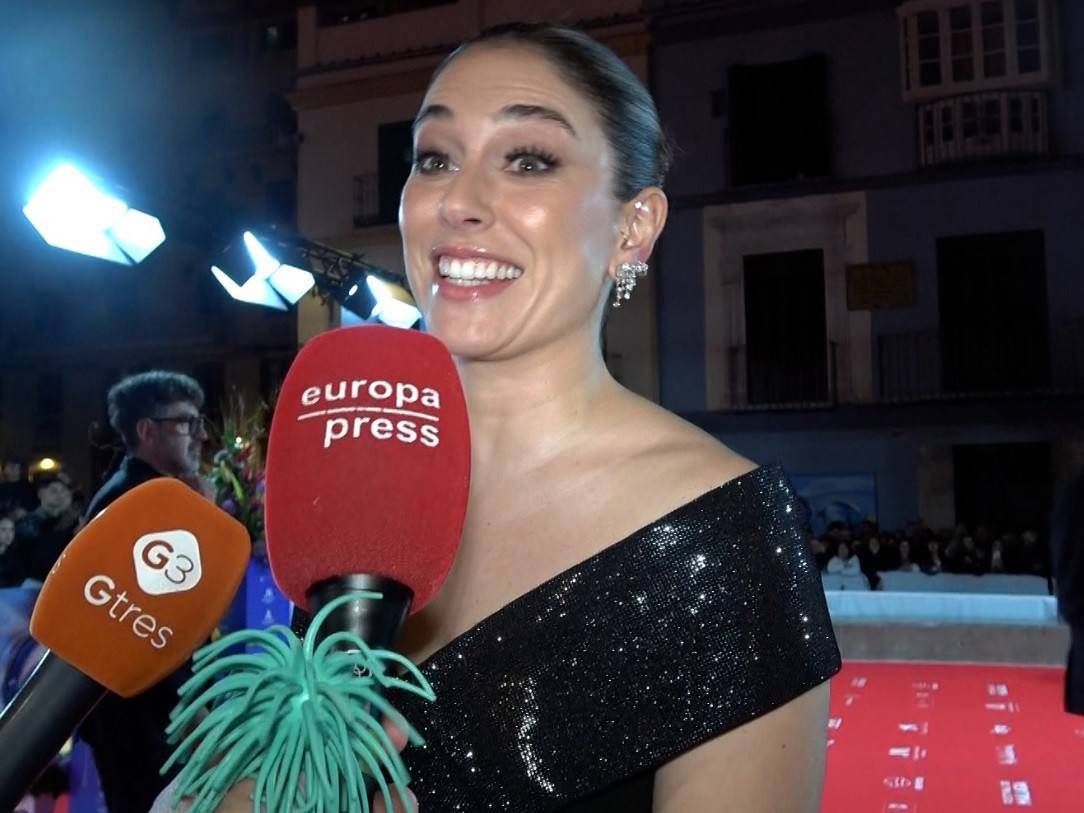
column 927, row 365
column 340, row 12
column 980, row 126
column 800, row 380
column 932, row 364
column 366, row 200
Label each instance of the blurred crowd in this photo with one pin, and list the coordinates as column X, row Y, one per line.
column 869, row 550
column 37, row 520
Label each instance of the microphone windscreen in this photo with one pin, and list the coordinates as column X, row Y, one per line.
column 142, row 586
column 368, row 463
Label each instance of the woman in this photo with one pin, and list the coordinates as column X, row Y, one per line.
column 633, row 621
column 844, row 563
column 907, row 565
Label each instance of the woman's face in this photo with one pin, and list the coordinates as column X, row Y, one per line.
column 512, row 182
column 844, row 550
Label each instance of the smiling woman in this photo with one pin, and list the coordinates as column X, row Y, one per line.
column 633, row 612
column 633, row 622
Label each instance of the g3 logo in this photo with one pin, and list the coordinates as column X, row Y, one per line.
column 160, row 555
column 167, row 562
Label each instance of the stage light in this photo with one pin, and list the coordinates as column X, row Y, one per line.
column 255, row 291
column 46, row 464
column 392, row 307
column 292, row 283
column 265, row 264
column 70, row 213
column 259, row 278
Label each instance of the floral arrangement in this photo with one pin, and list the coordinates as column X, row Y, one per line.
column 237, row 472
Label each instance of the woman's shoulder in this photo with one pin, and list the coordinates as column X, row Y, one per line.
column 680, row 460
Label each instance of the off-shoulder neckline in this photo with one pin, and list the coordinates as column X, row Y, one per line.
column 760, row 473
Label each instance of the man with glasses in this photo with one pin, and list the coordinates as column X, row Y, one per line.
column 157, row 415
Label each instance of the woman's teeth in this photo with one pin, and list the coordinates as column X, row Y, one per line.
column 476, row 272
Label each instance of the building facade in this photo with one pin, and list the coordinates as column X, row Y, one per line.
column 872, row 264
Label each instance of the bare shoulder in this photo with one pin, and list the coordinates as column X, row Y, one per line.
column 681, row 460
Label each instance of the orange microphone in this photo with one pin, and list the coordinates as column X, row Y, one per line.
column 131, row 597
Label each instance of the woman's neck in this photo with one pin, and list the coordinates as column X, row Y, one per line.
column 526, row 411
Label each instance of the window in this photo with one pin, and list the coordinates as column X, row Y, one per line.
column 954, row 46
column 962, row 44
column 780, row 121
column 395, row 153
column 993, row 39
column 982, row 126
column 786, row 330
column 992, row 302
column 366, row 199
column 948, row 129
column 929, row 49
column 1029, row 58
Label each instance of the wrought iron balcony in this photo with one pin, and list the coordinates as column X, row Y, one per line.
column 933, row 364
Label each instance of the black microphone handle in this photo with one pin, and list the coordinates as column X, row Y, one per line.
column 375, row 622
column 38, row 721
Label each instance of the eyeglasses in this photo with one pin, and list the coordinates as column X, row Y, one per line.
column 192, row 423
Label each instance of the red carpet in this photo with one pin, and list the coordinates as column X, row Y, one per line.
column 941, row 738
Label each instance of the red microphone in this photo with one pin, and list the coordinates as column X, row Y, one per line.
column 368, row 474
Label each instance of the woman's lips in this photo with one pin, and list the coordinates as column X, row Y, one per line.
column 457, row 292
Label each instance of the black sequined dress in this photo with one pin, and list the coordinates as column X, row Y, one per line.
column 572, row 695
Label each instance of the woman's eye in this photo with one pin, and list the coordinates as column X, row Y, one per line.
column 431, row 162
column 531, row 163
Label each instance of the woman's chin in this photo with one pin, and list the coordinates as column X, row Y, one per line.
column 466, row 339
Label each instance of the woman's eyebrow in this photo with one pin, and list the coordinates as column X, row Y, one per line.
column 512, row 111
column 535, row 111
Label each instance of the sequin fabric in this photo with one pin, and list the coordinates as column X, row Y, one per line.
column 709, row 617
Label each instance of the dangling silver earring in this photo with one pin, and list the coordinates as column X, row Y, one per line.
column 627, row 274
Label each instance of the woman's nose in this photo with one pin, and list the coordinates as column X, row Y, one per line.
column 467, row 200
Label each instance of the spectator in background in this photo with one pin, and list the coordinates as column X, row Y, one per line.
column 905, row 562
column 873, row 558
column 964, row 556
column 10, row 572
column 997, row 556
column 844, row 562
column 1034, row 557
column 933, row 564
column 17, row 496
column 1067, row 548
column 820, row 551
column 42, row 535
column 838, row 532
column 157, row 415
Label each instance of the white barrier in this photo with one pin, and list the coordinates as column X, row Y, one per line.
column 1000, row 583
column 941, row 608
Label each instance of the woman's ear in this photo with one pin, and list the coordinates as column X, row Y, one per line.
column 641, row 223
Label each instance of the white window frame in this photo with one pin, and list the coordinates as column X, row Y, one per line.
column 911, row 88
